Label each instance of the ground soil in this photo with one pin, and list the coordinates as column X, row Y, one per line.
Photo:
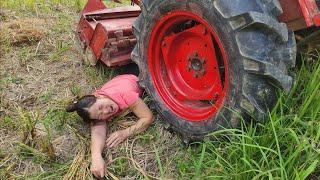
column 42, row 70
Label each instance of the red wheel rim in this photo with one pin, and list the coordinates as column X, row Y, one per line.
column 188, row 65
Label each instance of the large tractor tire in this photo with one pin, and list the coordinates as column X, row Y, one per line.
column 205, row 62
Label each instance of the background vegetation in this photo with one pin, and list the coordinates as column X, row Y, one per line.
column 42, row 70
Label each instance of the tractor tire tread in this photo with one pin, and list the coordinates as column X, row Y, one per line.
column 280, row 79
column 273, row 7
column 250, row 105
column 263, row 70
column 250, row 19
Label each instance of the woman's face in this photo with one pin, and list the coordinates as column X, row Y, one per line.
column 103, row 109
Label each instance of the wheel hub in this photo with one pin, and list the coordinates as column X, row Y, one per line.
column 185, row 58
column 197, row 65
column 191, row 78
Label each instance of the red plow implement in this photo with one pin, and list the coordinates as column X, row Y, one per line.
column 106, row 34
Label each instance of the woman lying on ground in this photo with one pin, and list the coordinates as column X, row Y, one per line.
column 117, row 95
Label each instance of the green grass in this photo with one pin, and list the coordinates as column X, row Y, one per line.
column 7, row 79
column 120, row 167
column 99, row 75
column 76, row 91
column 60, row 49
column 8, row 122
column 41, row 6
column 110, row 3
column 286, row 147
column 46, row 96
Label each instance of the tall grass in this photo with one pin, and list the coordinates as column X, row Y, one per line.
column 287, row 147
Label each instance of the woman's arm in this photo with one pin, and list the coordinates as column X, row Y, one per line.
column 98, row 138
column 141, row 110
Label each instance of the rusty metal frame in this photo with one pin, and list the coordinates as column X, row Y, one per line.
column 105, row 34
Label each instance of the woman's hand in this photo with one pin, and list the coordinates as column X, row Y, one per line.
column 98, row 166
column 145, row 116
column 116, row 138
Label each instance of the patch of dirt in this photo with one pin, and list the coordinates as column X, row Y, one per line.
column 30, row 79
column 38, row 78
column 21, row 31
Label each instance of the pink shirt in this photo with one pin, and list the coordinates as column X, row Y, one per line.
column 123, row 90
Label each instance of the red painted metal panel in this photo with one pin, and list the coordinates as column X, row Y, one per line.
column 201, row 54
column 292, row 14
column 118, row 12
column 99, row 40
column 309, row 10
column 300, row 14
column 93, row 5
column 85, row 30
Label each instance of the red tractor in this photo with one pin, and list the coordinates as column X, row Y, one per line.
column 203, row 62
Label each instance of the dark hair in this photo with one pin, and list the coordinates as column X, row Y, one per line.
column 82, row 106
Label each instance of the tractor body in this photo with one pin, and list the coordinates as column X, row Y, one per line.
column 105, row 34
column 204, row 63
